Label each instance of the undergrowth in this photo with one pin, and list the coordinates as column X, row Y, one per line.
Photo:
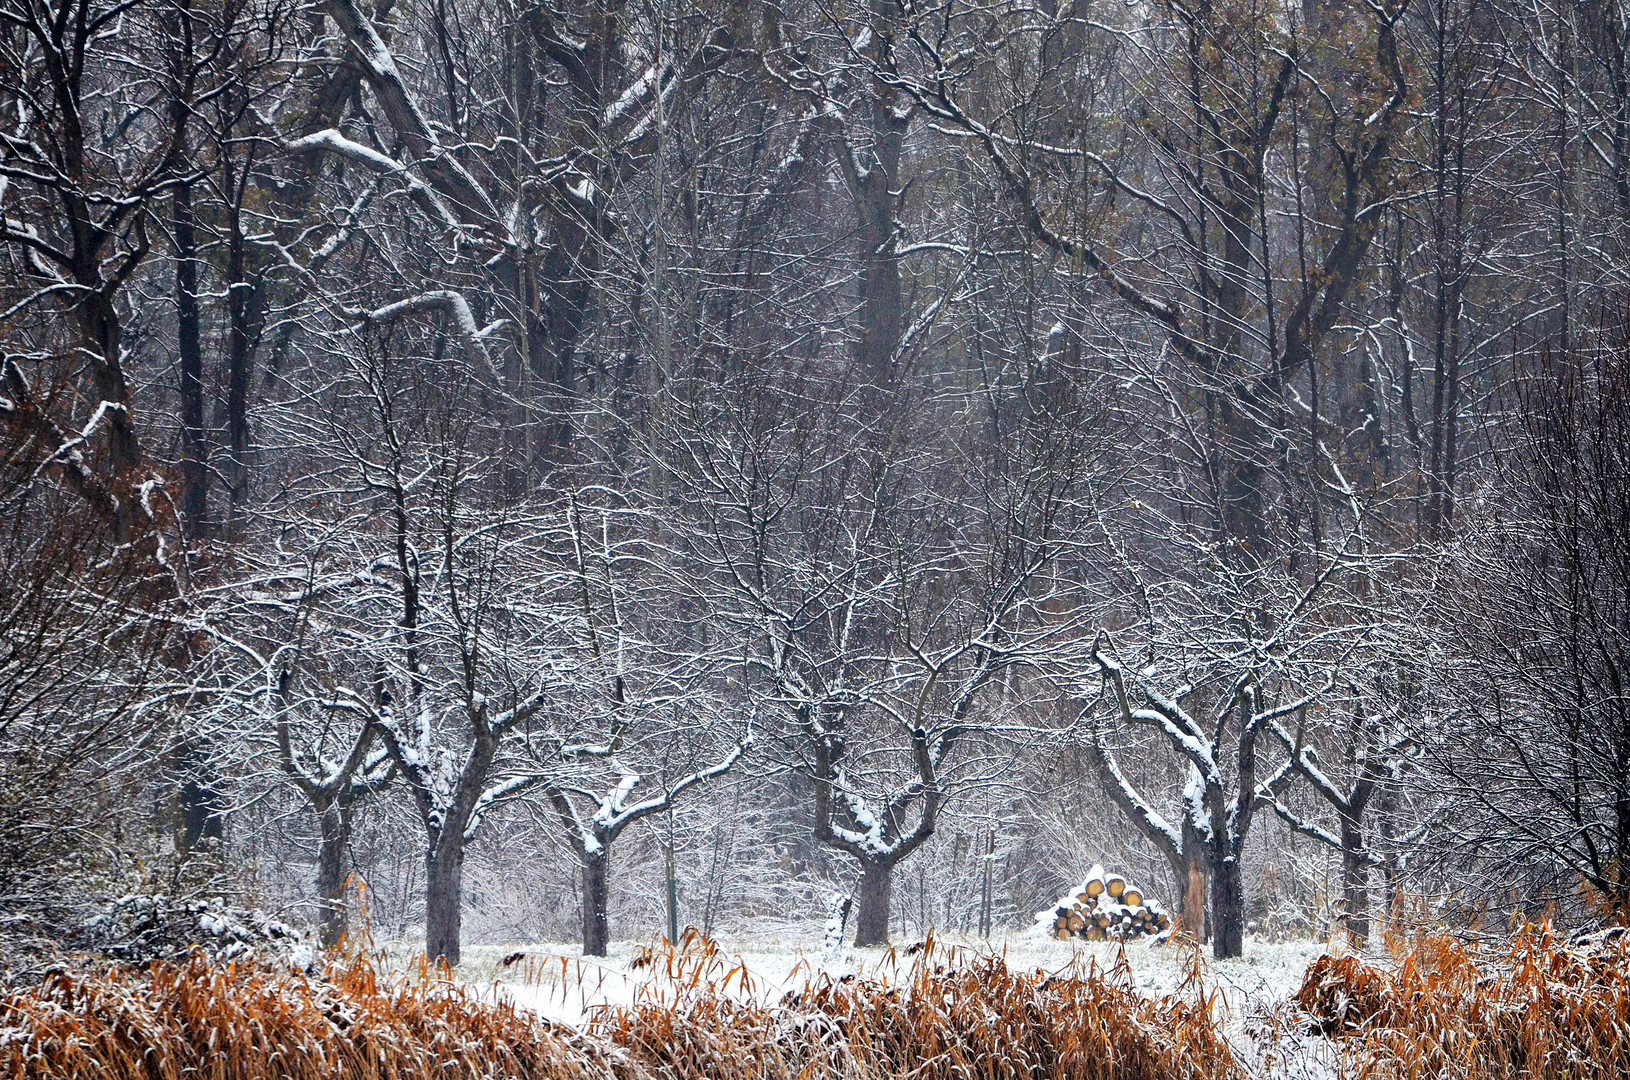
column 951, row 1017
column 1540, row 1007
column 200, row 1020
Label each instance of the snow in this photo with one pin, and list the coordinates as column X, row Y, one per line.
column 1252, row 994
column 559, row 983
column 640, row 88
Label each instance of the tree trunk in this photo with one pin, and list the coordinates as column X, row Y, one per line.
column 443, row 898
column 245, row 304
column 1192, row 907
column 1355, row 883
column 872, row 916
column 190, row 355
column 1227, row 910
column 199, row 808
column 882, row 304
column 596, row 932
column 334, row 829
column 1389, row 870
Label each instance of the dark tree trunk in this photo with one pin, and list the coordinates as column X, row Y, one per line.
column 244, row 306
column 596, row 925
column 199, row 808
column 872, row 899
column 877, row 192
column 882, row 304
column 1389, row 869
column 334, row 829
column 1227, row 910
column 190, row 357
column 567, row 296
column 100, row 328
column 443, row 898
column 1355, row 882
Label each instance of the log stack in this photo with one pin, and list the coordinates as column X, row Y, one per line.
column 1106, row 907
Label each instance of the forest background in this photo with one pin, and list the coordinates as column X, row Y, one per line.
column 496, row 459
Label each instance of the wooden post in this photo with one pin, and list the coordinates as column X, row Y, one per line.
column 984, row 893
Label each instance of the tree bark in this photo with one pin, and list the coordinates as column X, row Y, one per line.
column 444, row 895
column 872, row 915
column 190, row 358
column 596, row 931
column 334, row 836
column 1192, row 909
column 245, row 309
column 1355, row 882
column 1227, row 910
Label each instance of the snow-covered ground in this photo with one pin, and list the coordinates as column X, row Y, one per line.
column 1251, row 993
column 557, row 981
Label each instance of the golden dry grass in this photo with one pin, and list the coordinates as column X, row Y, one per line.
column 950, row 1017
column 202, row 1021
column 1538, row 1008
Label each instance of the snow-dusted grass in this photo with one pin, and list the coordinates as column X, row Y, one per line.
column 776, row 1009
column 1252, row 997
column 559, row 982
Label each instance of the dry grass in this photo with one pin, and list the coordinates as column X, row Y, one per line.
column 950, row 1017
column 204, row 1021
column 1539, row 1008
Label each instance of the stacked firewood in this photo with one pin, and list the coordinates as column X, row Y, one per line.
column 1105, row 908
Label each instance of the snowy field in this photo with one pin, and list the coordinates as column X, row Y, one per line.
column 1249, row 994
column 557, row 981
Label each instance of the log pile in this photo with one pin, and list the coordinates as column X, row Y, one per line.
column 1106, row 907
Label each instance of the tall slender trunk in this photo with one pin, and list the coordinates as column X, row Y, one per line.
column 444, row 896
column 334, row 836
column 1227, row 909
column 596, row 890
column 190, row 358
column 872, row 916
column 243, row 308
column 1389, row 869
column 872, row 173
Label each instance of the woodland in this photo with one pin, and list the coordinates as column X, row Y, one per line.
column 567, row 470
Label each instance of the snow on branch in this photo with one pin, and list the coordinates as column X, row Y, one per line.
column 336, row 143
column 452, row 305
column 612, row 812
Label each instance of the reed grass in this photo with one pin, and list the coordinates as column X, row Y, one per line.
column 699, row 1017
column 1536, row 1008
column 950, row 1016
column 200, row 1020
